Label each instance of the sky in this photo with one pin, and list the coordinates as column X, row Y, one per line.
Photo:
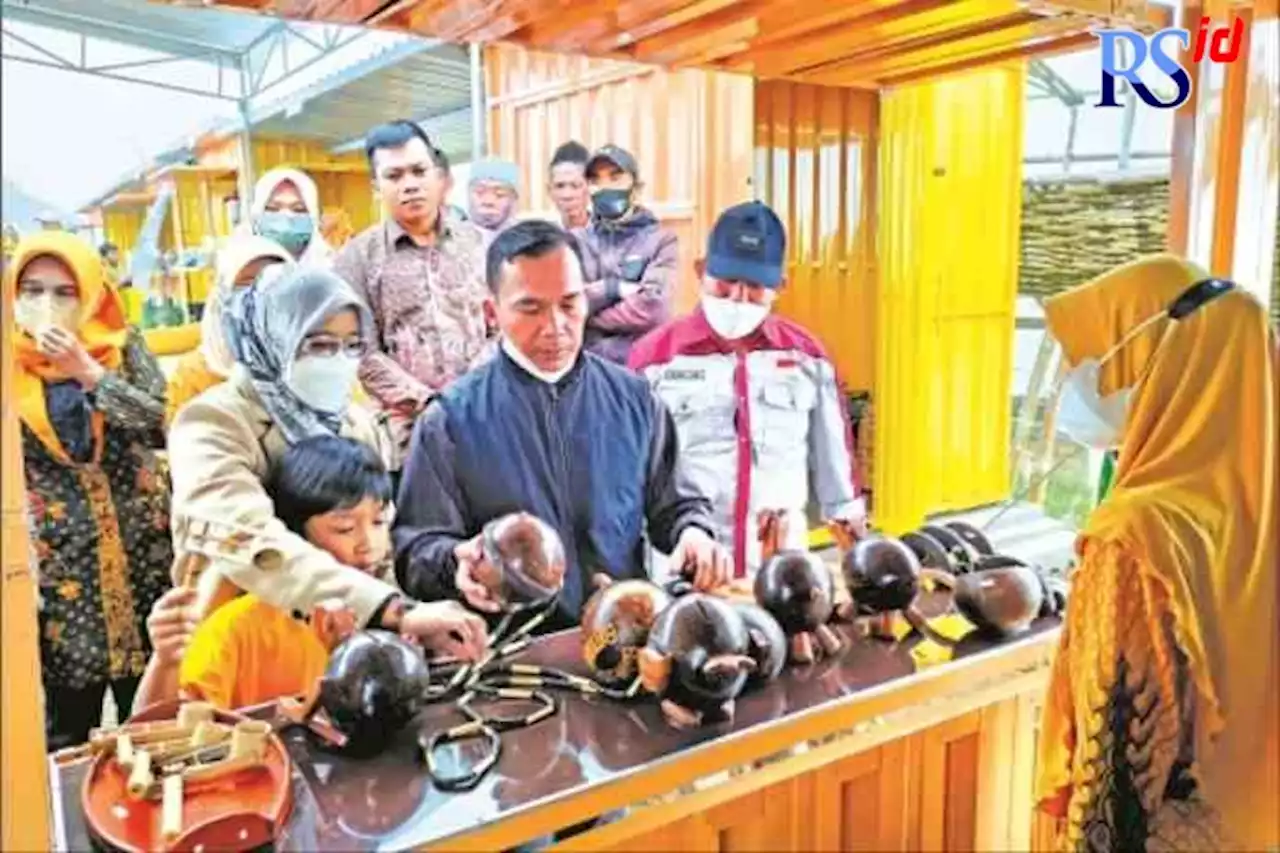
column 67, row 136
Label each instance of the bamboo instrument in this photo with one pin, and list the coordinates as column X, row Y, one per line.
column 204, row 736
column 193, row 713
column 106, row 740
column 220, row 769
column 140, row 776
column 171, row 808
column 249, row 739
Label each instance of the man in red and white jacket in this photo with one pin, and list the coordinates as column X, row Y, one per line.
column 761, row 420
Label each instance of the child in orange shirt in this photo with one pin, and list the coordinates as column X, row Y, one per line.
column 335, row 492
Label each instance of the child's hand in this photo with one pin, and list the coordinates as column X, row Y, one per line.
column 171, row 624
column 448, row 629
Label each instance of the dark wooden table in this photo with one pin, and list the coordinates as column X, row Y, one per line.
column 388, row 802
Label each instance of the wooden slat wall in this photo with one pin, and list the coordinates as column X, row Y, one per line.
column 689, row 130
column 816, row 166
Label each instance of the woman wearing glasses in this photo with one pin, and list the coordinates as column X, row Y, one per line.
column 297, row 336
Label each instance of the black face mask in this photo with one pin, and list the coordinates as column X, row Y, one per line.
column 611, row 204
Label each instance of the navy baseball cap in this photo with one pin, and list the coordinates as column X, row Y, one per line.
column 616, row 156
column 748, row 243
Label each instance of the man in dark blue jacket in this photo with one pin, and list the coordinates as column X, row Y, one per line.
column 546, row 428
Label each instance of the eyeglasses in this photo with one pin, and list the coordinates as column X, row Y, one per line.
column 327, row 346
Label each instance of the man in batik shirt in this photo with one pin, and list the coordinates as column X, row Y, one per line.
column 422, row 274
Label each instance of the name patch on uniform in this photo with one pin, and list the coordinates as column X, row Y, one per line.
column 788, row 362
column 678, row 375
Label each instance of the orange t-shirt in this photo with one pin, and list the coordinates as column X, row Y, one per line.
column 248, row 652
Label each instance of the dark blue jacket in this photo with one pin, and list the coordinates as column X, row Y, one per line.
column 593, row 455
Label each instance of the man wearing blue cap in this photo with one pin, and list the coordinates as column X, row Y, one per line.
column 761, row 419
column 491, row 196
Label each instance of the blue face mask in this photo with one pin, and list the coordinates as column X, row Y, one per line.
column 291, row 230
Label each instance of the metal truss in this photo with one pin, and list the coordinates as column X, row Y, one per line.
column 1048, row 83
column 280, row 52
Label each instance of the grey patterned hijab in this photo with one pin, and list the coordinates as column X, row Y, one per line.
column 267, row 322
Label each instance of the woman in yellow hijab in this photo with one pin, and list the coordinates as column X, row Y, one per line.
column 90, row 398
column 1162, row 725
column 240, row 261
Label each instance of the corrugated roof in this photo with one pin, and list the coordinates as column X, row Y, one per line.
column 432, row 86
column 181, row 31
column 357, row 83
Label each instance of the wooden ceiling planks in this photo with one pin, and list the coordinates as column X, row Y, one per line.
column 858, row 43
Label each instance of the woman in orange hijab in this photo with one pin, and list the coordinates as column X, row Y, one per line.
column 90, row 398
column 1162, row 725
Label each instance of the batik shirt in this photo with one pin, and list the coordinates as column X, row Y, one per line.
column 100, row 525
column 427, row 307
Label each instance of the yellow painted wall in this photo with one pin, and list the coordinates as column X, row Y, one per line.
column 949, row 211
column 24, row 778
column 342, row 179
column 816, row 166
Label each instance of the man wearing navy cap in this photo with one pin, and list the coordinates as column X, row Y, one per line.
column 628, row 259
column 761, row 419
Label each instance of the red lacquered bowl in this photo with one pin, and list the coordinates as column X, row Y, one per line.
column 242, row 812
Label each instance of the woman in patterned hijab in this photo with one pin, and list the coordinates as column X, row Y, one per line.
column 299, row 335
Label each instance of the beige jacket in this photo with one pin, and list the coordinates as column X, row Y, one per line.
column 225, row 531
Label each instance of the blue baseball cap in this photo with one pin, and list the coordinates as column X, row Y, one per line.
column 748, row 243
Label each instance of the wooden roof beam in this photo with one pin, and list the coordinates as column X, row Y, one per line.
column 455, row 20
column 903, row 21
column 924, row 42
column 1048, row 47
column 632, row 24
column 699, row 38
column 986, row 48
column 975, row 42
column 694, row 24
column 1139, row 14
column 573, row 28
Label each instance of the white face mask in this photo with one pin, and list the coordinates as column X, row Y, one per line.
column 33, row 313
column 325, row 383
column 549, row 377
column 1087, row 416
column 732, row 319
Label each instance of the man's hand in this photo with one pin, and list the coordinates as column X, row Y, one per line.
column 470, row 556
column 171, row 624
column 68, row 355
column 851, row 527
column 699, row 556
column 448, row 629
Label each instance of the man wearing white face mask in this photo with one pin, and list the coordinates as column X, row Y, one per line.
column 761, row 419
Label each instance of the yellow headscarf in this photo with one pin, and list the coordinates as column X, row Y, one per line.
column 102, row 329
column 1194, row 502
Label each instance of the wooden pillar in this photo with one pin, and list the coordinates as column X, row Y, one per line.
column 1226, row 173
column 24, row 777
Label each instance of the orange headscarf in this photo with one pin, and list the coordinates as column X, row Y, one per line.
column 1194, row 504
column 102, row 330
